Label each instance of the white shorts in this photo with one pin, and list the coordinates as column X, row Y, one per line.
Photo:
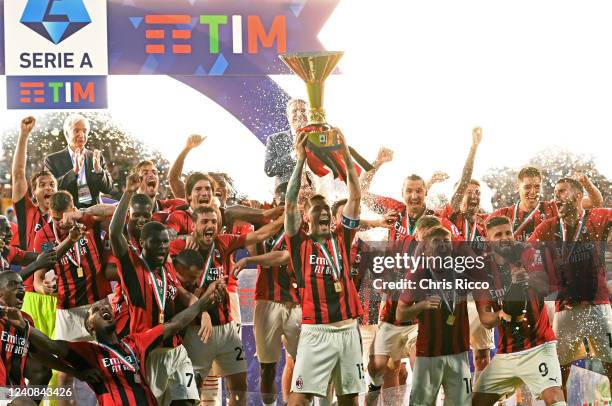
column 235, row 307
column 481, row 338
column 368, row 333
column 272, row 320
column 537, row 367
column 391, row 340
column 170, row 375
column 223, row 350
column 327, row 352
column 70, row 324
column 451, row 372
column 591, row 321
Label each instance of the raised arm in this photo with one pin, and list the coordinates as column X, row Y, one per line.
column 117, row 239
column 595, row 199
column 353, row 204
column 174, row 175
column 384, row 155
column 20, row 183
column 213, row 295
column 293, row 219
column 468, row 168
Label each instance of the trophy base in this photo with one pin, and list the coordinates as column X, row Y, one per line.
column 322, row 136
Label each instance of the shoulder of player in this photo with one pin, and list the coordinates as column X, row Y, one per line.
column 600, row 213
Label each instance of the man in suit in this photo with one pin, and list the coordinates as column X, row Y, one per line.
column 79, row 171
column 280, row 151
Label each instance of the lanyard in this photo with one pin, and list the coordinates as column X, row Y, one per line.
column 579, row 229
column 209, row 261
column 466, row 231
column 123, row 359
column 518, row 228
column 75, row 248
column 335, row 265
column 278, row 241
column 160, row 297
column 448, row 306
column 410, row 229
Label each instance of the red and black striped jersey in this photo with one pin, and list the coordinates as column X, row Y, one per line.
column 404, row 245
column 535, row 329
column 221, row 266
column 524, row 223
column 578, row 262
column 276, row 283
column 180, row 221
column 472, row 231
column 141, row 288
column 436, row 335
column 30, row 220
column 123, row 380
column 15, row 344
column 11, row 255
column 405, row 225
column 80, row 280
column 163, row 209
column 121, row 313
column 328, row 296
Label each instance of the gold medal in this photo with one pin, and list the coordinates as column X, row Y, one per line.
column 450, row 320
column 79, row 272
column 161, row 318
column 338, row 286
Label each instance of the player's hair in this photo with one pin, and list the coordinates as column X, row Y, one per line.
column 470, row 182
column 22, row 401
column 151, row 228
column 575, row 185
column 40, row 174
column 293, row 101
column 140, row 164
column 336, row 206
column 189, row 258
column 142, row 199
column 195, row 178
column 437, row 231
column 71, row 120
column 426, row 222
column 203, row 210
column 4, row 278
column 314, row 199
column 413, row 177
column 61, row 201
column 497, row 221
column 529, row 172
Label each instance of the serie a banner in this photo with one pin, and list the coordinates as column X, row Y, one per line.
column 66, row 49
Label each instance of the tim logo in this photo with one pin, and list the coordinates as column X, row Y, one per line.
column 53, row 92
column 55, row 20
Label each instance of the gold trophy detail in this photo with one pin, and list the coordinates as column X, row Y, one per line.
column 314, row 68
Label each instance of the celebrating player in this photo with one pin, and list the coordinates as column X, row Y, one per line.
column 329, row 345
column 575, row 241
column 515, row 305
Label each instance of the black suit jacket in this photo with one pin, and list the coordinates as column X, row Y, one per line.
column 279, row 162
column 60, row 165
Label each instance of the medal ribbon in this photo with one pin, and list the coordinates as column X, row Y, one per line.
column 444, row 299
column 466, row 231
column 278, row 241
column 518, row 228
column 335, row 265
column 160, row 297
column 123, row 359
column 74, row 248
column 579, row 229
column 209, row 261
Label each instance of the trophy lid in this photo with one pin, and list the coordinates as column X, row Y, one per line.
column 312, row 67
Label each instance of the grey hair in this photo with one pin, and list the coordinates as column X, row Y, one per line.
column 70, row 121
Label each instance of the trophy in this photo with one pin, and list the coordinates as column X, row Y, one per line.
column 323, row 144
